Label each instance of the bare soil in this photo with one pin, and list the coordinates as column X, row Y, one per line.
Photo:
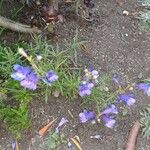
column 115, row 44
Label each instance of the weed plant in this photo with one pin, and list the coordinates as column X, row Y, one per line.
column 14, row 108
column 63, row 61
column 145, row 122
column 144, row 18
column 15, row 119
column 145, row 3
column 144, row 15
column 101, row 95
column 145, row 117
column 52, row 141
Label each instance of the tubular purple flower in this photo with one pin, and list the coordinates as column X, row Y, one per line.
column 90, row 69
column 87, row 116
column 13, row 145
column 108, row 121
column 30, row 82
column 50, row 77
column 61, row 123
column 128, row 99
column 85, row 89
column 111, row 109
column 20, row 72
column 145, row 87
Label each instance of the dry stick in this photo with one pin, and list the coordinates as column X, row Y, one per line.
column 131, row 143
column 15, row 26
column 17, row 146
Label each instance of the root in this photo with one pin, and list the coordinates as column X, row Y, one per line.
column 131, row 143
column 12, row 25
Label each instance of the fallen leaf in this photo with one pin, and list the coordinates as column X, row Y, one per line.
column 43, row 130
column 75, row 141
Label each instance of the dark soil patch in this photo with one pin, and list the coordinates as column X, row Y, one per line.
column 115, row 44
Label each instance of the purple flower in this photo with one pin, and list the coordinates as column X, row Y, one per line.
column 128, row 99
column 26, row 76
column 13, row 145
column 145, row 87
column 90, row 73
column 30, row 81
column 89, row 69
column 50, row 77
column 86, row 116
column 20, row 72
column 61, row 123
column 94, row 73
column 111, row 109
column 108, row 121
column 85, row 89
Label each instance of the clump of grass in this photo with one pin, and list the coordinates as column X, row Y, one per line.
column 63, row 62
column 15, row 118
column 145, row 122
column 15, row 92
column 14, row 108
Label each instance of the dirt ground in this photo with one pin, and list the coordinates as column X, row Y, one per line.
column 115, row 45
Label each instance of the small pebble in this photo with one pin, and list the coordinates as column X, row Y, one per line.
column 131, row 88
column 96, row 136
column 69, row 143
column 125, row 12
column 39, row 57
column 93, row 121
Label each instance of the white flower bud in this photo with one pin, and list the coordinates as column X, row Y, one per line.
column 22, row 52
